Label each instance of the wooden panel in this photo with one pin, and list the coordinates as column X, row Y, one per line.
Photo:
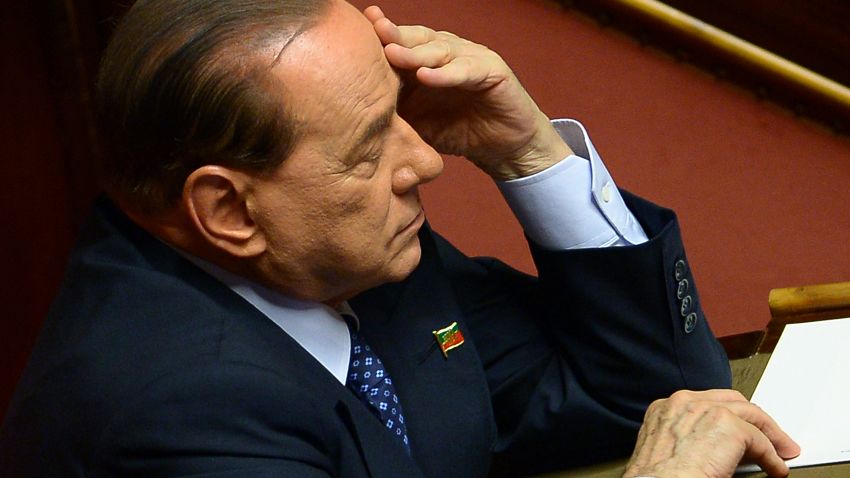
column 794, row 305
column 813, row 34
column 822, row 301
column 791, row 305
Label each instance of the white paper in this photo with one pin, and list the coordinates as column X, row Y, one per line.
column 806, row 389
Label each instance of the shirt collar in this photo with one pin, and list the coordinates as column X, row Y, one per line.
column 318, row 328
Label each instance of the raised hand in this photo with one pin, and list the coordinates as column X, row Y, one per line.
column 706, row 435
column 464, row 100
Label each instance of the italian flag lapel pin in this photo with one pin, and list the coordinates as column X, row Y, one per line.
column 448, row 338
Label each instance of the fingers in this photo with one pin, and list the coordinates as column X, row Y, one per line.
column 732, row 400
column 431, row 55
column 785, row 446
column 408, row 36
column 449, row 61
column 416, row 46
column 373, row 13
column 731, row 422
column 458, row 73
column 437, row 65
column 440, row 59
column 713, row 430
column 761, row 450
column 389, row 32
column 386, row 30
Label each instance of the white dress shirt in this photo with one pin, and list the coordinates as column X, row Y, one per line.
column 573, row 204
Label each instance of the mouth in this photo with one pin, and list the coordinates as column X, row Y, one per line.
column 414, row 225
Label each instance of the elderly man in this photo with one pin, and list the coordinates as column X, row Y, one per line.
column 261, row 295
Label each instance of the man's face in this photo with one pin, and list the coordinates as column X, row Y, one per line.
column 341, row 214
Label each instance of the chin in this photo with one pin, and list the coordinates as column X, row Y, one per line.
column 405, row 263
column 396, row 269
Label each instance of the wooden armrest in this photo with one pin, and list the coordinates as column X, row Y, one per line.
column 794, row 305
column 791, row 305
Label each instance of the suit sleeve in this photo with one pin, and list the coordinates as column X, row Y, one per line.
column 574, row 358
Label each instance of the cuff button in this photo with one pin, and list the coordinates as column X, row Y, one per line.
column 680, row 269
column 690, row 322
column 682, row 289
column 687, row 304
column 606, row 192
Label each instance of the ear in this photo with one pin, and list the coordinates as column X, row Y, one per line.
column 215, row 198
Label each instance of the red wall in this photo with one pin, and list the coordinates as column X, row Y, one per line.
column 763, row 196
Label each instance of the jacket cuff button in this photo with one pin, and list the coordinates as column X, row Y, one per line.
column 690, row 322
column 680, row 269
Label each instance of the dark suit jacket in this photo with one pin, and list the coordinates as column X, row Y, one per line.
column 147, row 366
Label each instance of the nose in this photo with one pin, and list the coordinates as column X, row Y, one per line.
column 421, row 162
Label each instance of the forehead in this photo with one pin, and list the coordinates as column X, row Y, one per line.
column 336, row 68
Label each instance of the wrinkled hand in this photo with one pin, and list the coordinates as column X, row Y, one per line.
column 706, row 435
column 464, row 100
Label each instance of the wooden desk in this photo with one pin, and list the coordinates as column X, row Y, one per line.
column 746, row 373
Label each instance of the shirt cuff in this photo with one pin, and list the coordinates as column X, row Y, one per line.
column 575, row 203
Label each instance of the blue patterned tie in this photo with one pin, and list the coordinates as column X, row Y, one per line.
column 369, row 381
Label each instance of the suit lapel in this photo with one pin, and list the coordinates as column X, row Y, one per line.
column 380, row 451
column 445, row 400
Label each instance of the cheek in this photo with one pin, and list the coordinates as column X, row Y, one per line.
column 366, row 208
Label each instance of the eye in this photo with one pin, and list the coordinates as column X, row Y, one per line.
column 367, row 164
